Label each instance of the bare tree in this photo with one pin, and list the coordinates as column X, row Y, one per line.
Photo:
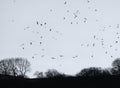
column 4, row 67
column 14, row 66
column 22, row 65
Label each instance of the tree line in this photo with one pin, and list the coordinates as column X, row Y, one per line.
column 21, row 66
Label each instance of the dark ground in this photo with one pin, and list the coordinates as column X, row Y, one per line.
column 102, row 82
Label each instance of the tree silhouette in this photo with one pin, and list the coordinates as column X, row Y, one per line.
column 106, row 72
column 54, row 73
column 90, row 72
column 14, row 66
column 23, row 66
column 39, row 74
column 116, row 67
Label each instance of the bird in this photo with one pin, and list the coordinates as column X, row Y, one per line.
column 93, row 44
column 96, row 10
column 111, row 56
column 40, row 43
column 41, row 37
column 116, row 41
column 88, row 1
column 106, row 52
column 92, row 56
column 41, row 24
column 75, row 56
column 117, row 25
column 50, row 30
column 65, row 3
column 67, row 10
column 94, row 36
column 43, row 49
column 33, row 57
column 87, row 45
column 110, row 45
column 75, row 16
column 50, row 10
column 61, row 55
column 85, row 20
column 23, row 48
column 37, row 22
column 63, row 18
column 53, row 58
column 45, row 23
column 26, row 28
column 30, row 43
column 42, row 55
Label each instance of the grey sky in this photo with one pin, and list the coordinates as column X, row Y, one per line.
column 75, row 33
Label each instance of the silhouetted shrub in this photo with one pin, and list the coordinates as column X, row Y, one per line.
column 106, row 72
column 14, row 66
column 116, row 67
column 90, row 72
column 53, row 73
column 39, row 74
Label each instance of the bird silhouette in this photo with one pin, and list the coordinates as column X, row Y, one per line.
column 61, row 55
column 116, row 41
column 33, row 57
column 117, row 25
column 92, row 56
column 50, row 30
column 65, row 3
column 37, row 22
column 30, row 43
column 53, row 58
column 93, row 44
column 45, row 23
column 23, row 48
column 40, row 43
column 41, row 24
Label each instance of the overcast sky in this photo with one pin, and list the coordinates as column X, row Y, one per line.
column 67, row 35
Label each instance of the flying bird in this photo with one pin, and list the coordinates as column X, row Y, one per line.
column 63, row 18
column 42, row 55
column 23, row 48
column 37, row 22
column 41, row 24
column 94, row 36
column 45, row 23
column 33, row 57
column 93, row 44
column 96, row 10
column 40, row 43
column 92, row 56
column 116, row 41
column 50, row 30
column 85, row 20
column 117, row 25
column 53, row 58
column 30, row 43
column 65, row 3
column 106, row 52
column 61, row 55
